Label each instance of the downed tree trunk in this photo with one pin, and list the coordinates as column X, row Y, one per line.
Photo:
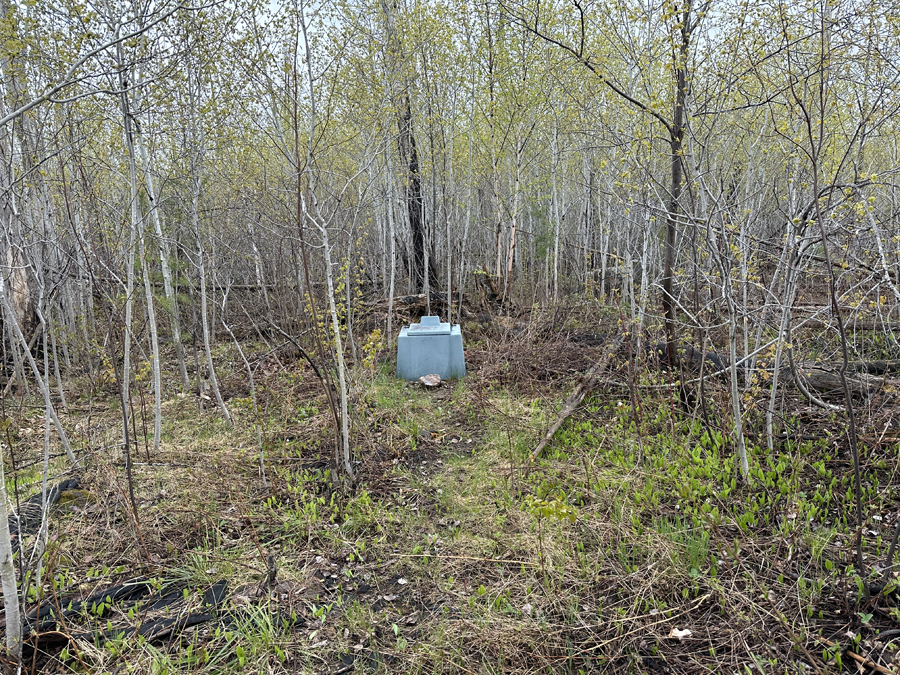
column 820, row 377
column 585, row 386
column 825, row 379
column 876, row 367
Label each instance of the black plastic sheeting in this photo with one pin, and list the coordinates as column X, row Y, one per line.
column 163, row 611
column 49, row 623
column 29, row 520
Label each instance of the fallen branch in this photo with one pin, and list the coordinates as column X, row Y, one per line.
column 823, row 378
column 861, row 660
column 801, row 385
column 585, row 386
column 876, row 367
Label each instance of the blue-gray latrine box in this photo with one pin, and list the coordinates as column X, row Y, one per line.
column 430, row 347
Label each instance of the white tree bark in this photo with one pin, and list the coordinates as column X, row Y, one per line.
column 554, row 168
column 196, row 173
column 645, row 283
column 514, row 227
column 719, row 252
column 392, row 235
column 882, row 258
column 154, row 343
column 10, row 320
column 134, row 225
column 164, row 255
column 322, row 226
column 8, row 570
column 197, row 152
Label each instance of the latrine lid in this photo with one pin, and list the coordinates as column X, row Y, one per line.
column 429, row 325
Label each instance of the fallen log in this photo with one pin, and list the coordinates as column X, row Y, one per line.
column 826, row 379
column 588, row 381
column 823, row 378
column 852, row 326
column 692, row 359
column 876, row 367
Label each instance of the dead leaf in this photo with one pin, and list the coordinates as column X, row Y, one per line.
column 432, row 380
column 680, row 634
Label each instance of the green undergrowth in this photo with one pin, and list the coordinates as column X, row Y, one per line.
column 631, row 545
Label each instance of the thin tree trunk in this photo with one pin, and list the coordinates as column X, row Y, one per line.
column 201, row 272
column 154, row 345
column 341, row 417
column 134, row 225
column 510, row 257
column 164, row 255
column 881, row 256
column 719, row 251
column 348, row 290
column 8, row 569
column 45, row 392
column 392, row 236
column 37, row 555
column 557, row 225
column 676, row 143
column 783, row 333
column 339, row 353
column 447, row 220
column 56, row 373
column 495, row 168
column 197, row 152
column 461, row 281
column 645, row 284
column 421, row 269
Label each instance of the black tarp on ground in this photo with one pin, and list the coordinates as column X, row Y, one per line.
column 161, row 612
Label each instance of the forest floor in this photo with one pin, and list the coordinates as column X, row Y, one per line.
column 631, row 546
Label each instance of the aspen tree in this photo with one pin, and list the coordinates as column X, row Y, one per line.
column 7, row 568
column 422, row 272
column 310, row 211
column 197, row 152
column 682, row 21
